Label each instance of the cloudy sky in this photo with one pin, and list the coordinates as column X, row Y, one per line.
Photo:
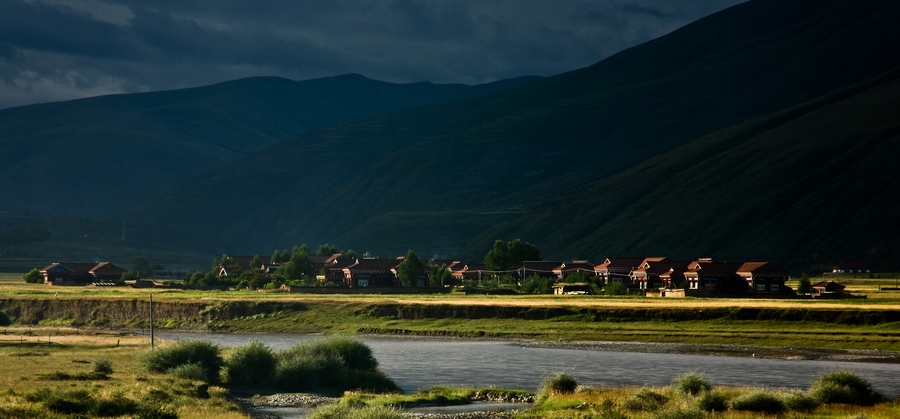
column 63, row 49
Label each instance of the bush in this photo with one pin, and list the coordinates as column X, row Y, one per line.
column 4, row 319
column 758, row 401
column 34, row 276
column 676, row 412
column 250, row 364
column 799, row 401
column 560, row 383
column 332, row 366
column 203, row 353
column 691, row 383
column 712, row 401
column 844, row 387
column 616, row 288
column 103, row 368
column 645, row 400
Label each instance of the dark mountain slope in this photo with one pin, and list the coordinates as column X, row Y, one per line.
column 432, row 178
column 812, row 185
column 95, row 154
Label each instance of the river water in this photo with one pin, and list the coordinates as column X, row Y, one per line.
column 419, row 363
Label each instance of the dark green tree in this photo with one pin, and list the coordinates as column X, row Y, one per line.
column 439, row 276
column 299, row 266
column 276, row 257
column 34, row 276
column 503, row 257
column 255, row 263
column 141, row 266
column 410, row 270
column 804, row 285
column 350, row 254
column 327, row 250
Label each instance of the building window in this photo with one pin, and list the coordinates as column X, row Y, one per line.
column 761, row 287
column 363, row 283
column 775, row 288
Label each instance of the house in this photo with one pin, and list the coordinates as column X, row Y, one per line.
column 540, row 268
column 332, row 268
column 580, row 288
column 617, row 269
column 372, row 273
column 657, row 272
column 763, row 277
column 239, row 264
column 827, row 289
column 473, row 271
column 720, row 277
column 81, row 273
column 574, row 267
column 850, row 267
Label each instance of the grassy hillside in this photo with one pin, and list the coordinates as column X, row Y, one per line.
column 88, row 157
column 432, row 178
column 810, row 185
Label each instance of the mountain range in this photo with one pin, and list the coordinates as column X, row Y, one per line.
column 766, row 131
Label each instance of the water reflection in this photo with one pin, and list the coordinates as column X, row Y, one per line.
column 418, row 363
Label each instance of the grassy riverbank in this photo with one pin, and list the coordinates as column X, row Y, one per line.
column 870, row 324
column 51, row 374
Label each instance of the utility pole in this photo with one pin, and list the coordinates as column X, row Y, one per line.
column 151, row 321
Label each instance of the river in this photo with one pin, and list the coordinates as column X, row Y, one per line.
column 419, row 363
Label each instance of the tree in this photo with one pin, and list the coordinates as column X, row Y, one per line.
column 503, row 257
column 327, row 250
column 350, row 254
column 410, row 269
column 276, row 257
column 255, row 263
column 440, row 276
column 34, row 276
column 804, row 286
column 141, row 266
column 300, row 264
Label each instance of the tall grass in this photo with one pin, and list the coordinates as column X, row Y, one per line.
column 692, row 383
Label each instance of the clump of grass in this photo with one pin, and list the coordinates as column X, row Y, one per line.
column 339, row 411
column 191, row 372
column 80, row 402
column 712, row 401
column 561, row 383
column 844, row 387
column 799, row 401
column 203, row 353
column 759, row 401
column 679, row 412
column 251, row 364
column 645, row 400
column 692, row 383
column 103, row 368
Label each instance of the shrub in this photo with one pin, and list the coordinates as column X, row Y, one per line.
column 560, row 383
column 758, row 401
column 103, row 368
column 332, row 366
column 712, row 401
column 250, row 364
column 799, row 401
column 616, row 288
column 203, row 353
column 844, row 387
column 645, row 400
column 4, row 319
column 691, row 383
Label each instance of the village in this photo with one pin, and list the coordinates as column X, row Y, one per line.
column 338, row 273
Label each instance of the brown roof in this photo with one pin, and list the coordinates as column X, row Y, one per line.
column 760, row 268
column 545, row 266
column 77, row 268
column 374, row 265
column 620, row 263
column 710, row 268
column 107, row 268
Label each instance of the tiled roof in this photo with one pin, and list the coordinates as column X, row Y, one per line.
column 77, row 268
column 373, row 265
column 620, row 263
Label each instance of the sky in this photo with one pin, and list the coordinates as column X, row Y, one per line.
column 52, row 50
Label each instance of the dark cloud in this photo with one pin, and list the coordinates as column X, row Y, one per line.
column 62, row 49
